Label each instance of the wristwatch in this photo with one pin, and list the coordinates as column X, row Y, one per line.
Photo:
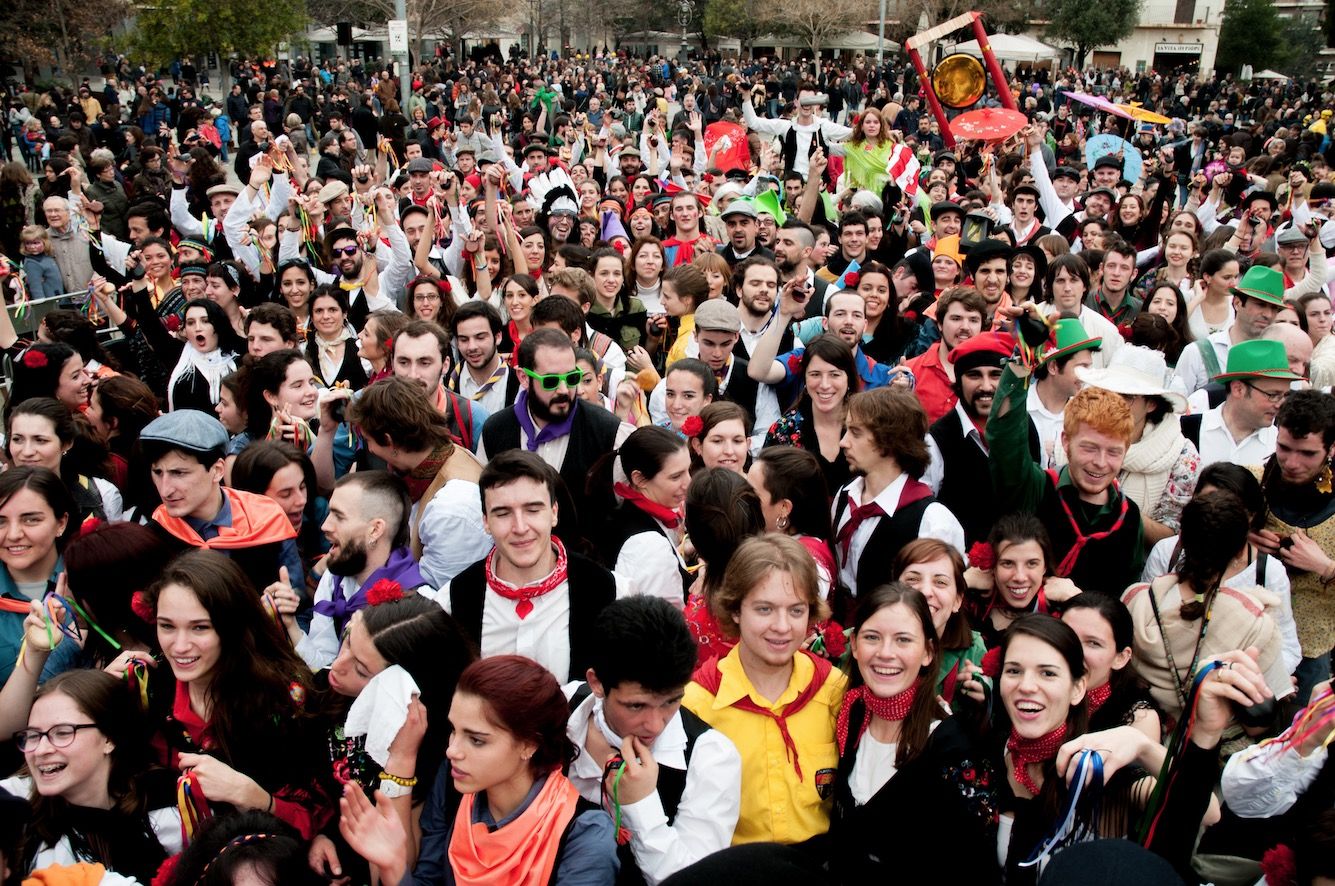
column 393, row 790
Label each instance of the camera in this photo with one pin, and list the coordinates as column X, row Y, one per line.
column 362, row 179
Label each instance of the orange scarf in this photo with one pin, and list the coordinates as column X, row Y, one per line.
column 523, row 852
column 256, row 520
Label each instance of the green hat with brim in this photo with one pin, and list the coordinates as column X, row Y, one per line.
column 1068, row 338
column 1262, row 358
column 1267, row 284
column 768, row 203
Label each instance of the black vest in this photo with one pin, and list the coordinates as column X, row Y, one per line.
column 878, row 556
column 671, row 784
column 1106, row 565
column 591, row 588
column 742, row 388
column 592, row 435
column 790, row 147
column 966, row 482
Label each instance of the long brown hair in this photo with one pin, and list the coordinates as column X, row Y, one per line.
column 917, row 727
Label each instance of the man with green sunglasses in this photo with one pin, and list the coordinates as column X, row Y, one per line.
column 549, row 418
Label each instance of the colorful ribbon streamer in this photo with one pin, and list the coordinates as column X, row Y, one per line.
column 192, row 804
column 1079, row 819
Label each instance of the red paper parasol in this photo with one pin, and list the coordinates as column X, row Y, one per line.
column 988, row 124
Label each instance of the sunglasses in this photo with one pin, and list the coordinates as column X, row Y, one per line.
column 349, row 251
column 553, row 380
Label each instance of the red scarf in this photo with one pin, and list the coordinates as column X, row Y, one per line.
column 524, row 594
column 710, row 678
column 1097, row 696
column 896, row 707
column 663, row 514
column 1033, row 750
column 1068, row 562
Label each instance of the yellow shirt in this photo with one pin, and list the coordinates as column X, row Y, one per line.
column 776, row 806
column 685, row 332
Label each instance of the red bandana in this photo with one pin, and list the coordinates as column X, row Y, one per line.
column 896, row 707
column 1033, row 750
column 663, row 514
column 524, row 594
column 1096, row 697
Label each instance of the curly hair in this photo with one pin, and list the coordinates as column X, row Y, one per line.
column 1103, row 411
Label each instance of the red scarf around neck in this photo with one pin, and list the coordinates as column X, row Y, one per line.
column 896, row 707
column 710, row 678
column 1098, row 696
column 1033, row 750
column 524, row 594
column 663, row 514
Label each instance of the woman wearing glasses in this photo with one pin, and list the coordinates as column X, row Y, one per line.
column 88, row 774
column 431, row 298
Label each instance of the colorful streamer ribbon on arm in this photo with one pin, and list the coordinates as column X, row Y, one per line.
column 612, row 797
column 1306, row 723
column 1078, row 821
column 192, row 804
column 1176, row 744
column 136, row 677
column 71, row 630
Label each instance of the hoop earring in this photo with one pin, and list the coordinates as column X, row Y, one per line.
column 782, row 523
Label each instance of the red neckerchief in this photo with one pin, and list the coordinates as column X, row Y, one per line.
column 1068, row 562
column 710, row 678
column 663, row 514
column 913, row 491
column 1097, row 696
column 1033, row 750
column 896, row 707
column 524, row 594
column 515, row 339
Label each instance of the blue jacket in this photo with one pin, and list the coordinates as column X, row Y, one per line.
column 62, row 658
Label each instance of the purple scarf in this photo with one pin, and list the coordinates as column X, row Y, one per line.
column 401, row 568
column 552, row 431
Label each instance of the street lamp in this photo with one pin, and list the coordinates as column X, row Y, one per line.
column 684, row 10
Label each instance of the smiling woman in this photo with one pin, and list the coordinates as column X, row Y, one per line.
column 93, row 794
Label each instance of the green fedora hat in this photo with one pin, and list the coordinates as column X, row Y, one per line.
column 1066, row 339
column 1267, row 284
column 1262, row 358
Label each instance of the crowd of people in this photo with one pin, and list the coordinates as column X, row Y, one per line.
column 603, row 470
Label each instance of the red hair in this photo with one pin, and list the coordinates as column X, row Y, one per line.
column 524, row 699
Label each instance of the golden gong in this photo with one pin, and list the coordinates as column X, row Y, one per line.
column 959, row 80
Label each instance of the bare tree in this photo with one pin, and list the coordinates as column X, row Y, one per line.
column 452, row 19
column 818, row 21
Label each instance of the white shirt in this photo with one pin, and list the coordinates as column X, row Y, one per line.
column 452, row 535
column 494, row 400
column 1201, row 329
column 874, row 765
column 1047, row 423
column 937, row 522
column 1191, row 366
column 1275, row 580
column 543, row 635
column 318, row 647
column 1217, row 443
column 1266, row 780
column 651, row 565
column 708, row 809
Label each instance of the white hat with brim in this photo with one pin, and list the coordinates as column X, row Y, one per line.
column 1134, row 371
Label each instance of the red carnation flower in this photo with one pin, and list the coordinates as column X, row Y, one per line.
column 34, row 359
column 166, row 871
column 1125, row 331
column 911, row 316
column 851, row 279
column 1279, row 866
column 140, row 607
column 173, row 323
column 693, row 426
column 387, row 590
column 795, row 362
column 835, row 641
column 991, row 663
column 90, row 524
column 981, row 556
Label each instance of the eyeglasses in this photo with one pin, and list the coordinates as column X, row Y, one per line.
column 427, row 296
column 553, row 380
column 349, row 251
column 1270, row 396
column 61, row 736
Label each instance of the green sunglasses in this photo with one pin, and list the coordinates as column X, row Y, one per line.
column 553, row 380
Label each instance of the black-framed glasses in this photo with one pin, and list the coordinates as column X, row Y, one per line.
column 61, row 736
column 1270, row 396
column 552, row 380
column 348, row 251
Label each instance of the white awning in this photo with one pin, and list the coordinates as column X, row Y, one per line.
column 1010, row 47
